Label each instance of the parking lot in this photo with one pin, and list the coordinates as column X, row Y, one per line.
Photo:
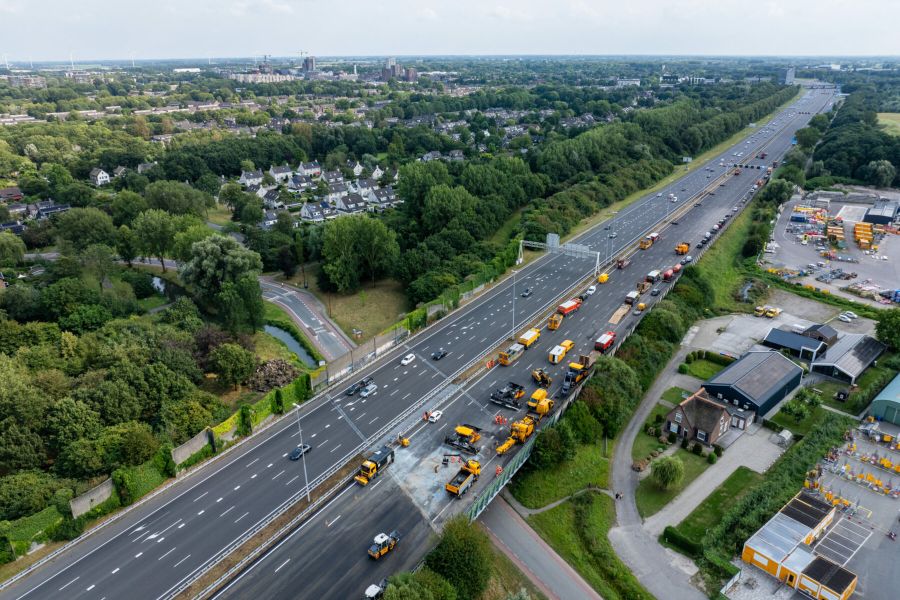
column 873, row 271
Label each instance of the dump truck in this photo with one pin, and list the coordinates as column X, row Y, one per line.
column 540, row 404
column 569, row 306
column 578, row 371
column 555, row 321
column 464, row 438
column 677, row 268
column 605, row 341
column 541, row 378
column 643, row 287
column 631, row 297
column 682, row 248
column 383, row 543
column 508, row 396
column 519, row 431
column 645, row 243
column 529, row 337
column 511, row 354
column 558, row 353
column 374, row 465
column 668, row 274
column 623, row 263
column 653, row 276
column 464, row 479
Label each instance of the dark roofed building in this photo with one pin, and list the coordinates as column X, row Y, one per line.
column 757, row 381
column 830, row 575
column 823, row 333
column 848, row 357
column 699, row 418
column 11, row 194
column 883, row 212
column 798, row 345
column 807, row 509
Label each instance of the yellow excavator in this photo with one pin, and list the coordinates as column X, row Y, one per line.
column 519, row 431
column 541, row 378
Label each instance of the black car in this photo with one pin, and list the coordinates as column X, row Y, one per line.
column 353, row 389
column 527, row 292
column 439, row 354
column 299, row 451
column 674, row 222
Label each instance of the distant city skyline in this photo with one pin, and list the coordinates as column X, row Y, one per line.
column 90, row 30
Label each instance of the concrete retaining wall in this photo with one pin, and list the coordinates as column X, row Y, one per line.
column 190, row 447
column 91, row 498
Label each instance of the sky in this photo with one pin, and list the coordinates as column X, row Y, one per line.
column 119, row 29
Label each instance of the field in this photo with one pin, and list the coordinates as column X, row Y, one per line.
column 890, row 121
column 703, row 369
column 645, row 444
column 538, row 488
column 710, row 511
column 371, row 309
column 220, row 215
column 721, row 264
column 675, row 395
column 651, row 498
column 804, row 426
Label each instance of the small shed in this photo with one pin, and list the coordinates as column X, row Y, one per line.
column 886, row 405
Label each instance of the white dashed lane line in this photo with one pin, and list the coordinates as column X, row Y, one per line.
column 181, row 561
column 228, row 510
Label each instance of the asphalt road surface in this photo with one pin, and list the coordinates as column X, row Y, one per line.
column 148, row 552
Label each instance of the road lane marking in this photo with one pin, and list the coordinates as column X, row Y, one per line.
column 327, row 524
column 373, row 487
column 116, row 570
column 269, row 466
column 166, row 554
column 201, row 512
column 219, row 500
column 182, row 525
column 139, row 554
column 242, row 516
column 281, row 565
column 252, row 461
column 253, row 476
column 327, row 425
column 284, row 455
column 181, row 561
column 280, row 473
column 293, row 479
column 373, row 420
column 140, row 536
column 227, row 511
column 200, row 496
column 406, row 396
column 310, row 437
column 90, row 587
column 336, row 447
column 237, row 487
column 70, row 583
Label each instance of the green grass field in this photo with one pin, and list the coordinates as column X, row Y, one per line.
column 651, row 498
column 220, row 215
column 710, row 511
column 538, row 488
column 703, row 369
column 675, row 395
column 721, row 264
column 890, row 121
column 804, row 426
column 645, row 444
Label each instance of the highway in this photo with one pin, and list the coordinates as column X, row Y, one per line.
column 165, row 542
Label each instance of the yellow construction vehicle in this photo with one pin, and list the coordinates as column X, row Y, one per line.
column 529, row 337
column 541, row 378
column 511, row 354
column 465, row 478
column 760, row 310
column 374, row 465
column 539, row 405
column 555, row 321
column 579, row 370
column 682, row 248
column 602, row 278
column 519, row 431
column 773, row 312
column 383, row 543
column 464, row 438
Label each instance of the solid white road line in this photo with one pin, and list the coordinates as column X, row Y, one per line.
column 281, row 565
column 70, row 583
column 166, row 554
column 200, row 496
column 242, row 516
column 228, row 510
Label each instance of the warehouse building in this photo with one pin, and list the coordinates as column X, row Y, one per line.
column 799, row 345
column 782, row 548
column 886, row 405
column 757, row 381
column 883, row 212
column 846, row 360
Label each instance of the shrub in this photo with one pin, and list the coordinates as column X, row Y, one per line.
column 245, row 420
column 668, row 472
column 711, row 458
column 658, row 418
column 697, row 449
column 718, row 450
column 125, row 486
column 679, row 540
column 684, row 369
column 685, row 442
column 69, row 529
column 672, row 437
column 163, row 460
column 462, row 557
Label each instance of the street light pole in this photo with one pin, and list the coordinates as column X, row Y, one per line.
column 514, row 304
column 303, row 455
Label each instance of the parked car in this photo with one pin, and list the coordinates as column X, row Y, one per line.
column 299, row 451
column 435, row 416
column 407, row 359
column 441, row 353
column 358, row 385
column 845, row 319
column 368, row 390
column 851, row 314
column 527, row 292
column 591, row 290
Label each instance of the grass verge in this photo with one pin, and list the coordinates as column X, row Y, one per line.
column 577, row 531
column 371, row 309
column 651, row 498
column 675, row 395
column 703, row 369
column 710, row 511
column 801, row 427
column 538, row 488
column 220, row 215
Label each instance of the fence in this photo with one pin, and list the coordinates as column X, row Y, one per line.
column 357, row 358
column 191, row 447
column 88, row 500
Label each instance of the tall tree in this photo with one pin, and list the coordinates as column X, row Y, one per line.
column 888, row 327
column 82, row 227
column 12, row 249
column 155, row 232
column 668, row 471
column 178, row 198
column 217, row 261
column 232, row 364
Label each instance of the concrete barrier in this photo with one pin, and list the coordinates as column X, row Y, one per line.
column 88, row 500
column 190, row 447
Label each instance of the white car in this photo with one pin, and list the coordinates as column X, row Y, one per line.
column 407, row 359
column 851, row 314
column 845, row 319
column 368, row 390
column 591, row 290
column 435, row 416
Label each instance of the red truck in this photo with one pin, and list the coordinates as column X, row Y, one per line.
column 605, row 341
column 668, row 274
column 569, row 306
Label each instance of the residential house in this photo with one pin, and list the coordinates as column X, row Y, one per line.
column 300, row 183
column 312, row 212
column 281, row 174
column 15, row 227
column 11, row 194
column 17, row 209
column 53, row 209
column 310, row 169
column 331, row 177
column 99, row 177
column 354, row 166
column 430, row 156
column 377, row 172
column 702, row 419
column 249, row 178
column 272, row 199
column 144, row 167
column 364, row 186
column 337, row 191
column 328, row 211
column 456, row 155
column 119, row 171
column 350, row 204
column 270, row 217
column 822, row 333
column 382, row 198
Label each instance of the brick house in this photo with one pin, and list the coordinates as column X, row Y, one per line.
column 699, row 418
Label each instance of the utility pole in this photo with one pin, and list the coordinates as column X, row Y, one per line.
column 303, row 455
